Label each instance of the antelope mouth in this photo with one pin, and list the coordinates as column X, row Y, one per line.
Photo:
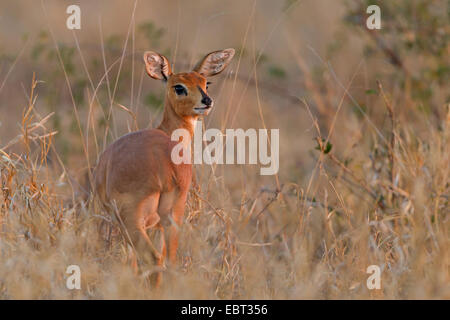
column 203, row 108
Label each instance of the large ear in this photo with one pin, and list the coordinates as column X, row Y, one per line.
column 157, row 65
column 215, row 62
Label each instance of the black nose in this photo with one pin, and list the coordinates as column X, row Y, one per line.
column 206, row 101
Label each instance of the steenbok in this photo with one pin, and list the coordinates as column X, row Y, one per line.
column 135, row 176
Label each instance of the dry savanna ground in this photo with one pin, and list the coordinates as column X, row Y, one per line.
column 364, row 124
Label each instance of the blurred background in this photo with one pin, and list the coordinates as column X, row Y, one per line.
column 363, row 118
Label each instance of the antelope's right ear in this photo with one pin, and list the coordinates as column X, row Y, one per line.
column 157, row 66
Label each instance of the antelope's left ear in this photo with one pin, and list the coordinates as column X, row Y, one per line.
column 215, row 62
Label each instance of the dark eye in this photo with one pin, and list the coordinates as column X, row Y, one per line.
column 207, row 85
column 179, row 90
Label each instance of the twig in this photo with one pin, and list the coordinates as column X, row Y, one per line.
column 361, row 182
column 391, row 147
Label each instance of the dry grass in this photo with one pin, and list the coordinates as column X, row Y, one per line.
column 380, row 196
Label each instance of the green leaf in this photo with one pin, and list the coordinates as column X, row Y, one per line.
column 371, row 91
column 276, row 72
column 327, row 148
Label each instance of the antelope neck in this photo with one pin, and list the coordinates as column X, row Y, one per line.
column 172, row 121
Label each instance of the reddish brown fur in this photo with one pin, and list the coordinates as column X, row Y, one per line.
column 136, row 175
